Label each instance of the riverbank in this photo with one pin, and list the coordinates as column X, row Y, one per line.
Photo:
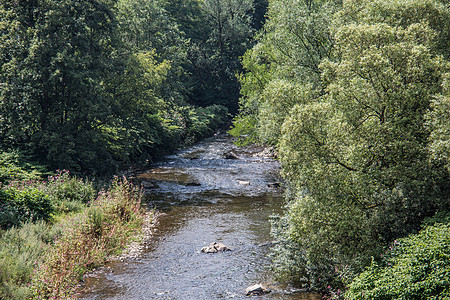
column 77, row 231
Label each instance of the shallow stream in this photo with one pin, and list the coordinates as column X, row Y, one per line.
column 203, row 198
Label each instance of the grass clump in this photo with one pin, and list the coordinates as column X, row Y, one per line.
column 19, row 251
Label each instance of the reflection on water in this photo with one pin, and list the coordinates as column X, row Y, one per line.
column 205, row 198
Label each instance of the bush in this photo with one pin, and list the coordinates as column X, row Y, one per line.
column 68, row 194
column 11, row 168
column 416, row 267
column 27, row 201
column 316, row 257
column 23, row 204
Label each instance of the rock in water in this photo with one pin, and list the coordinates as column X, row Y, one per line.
column 274, row 185
column 192, row 183
column 148, row 185
column 230, row 155
column 257, row 290
column 215, row 247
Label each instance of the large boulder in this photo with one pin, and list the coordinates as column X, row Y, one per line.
column 215, row 247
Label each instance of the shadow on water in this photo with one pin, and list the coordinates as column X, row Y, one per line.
column 204, row 198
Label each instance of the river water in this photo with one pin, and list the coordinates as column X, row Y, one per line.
column 203, row 198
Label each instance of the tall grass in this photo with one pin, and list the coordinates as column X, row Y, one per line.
column 87, row 240
column 19, row 250
column 39, row 261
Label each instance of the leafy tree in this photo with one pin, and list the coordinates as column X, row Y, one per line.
column 87, row 85
column 296, row 37
column 362, row 150
column 134, row 128
column 214, row 58
column 437, row 119
column 146, row 26
column 353, row 98
column 189, row 15
column 65, row 50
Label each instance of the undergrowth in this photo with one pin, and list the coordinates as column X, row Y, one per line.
column 45, row 252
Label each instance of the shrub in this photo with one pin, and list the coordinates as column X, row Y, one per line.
column 31, row 200
column 416, row 267
column 22, row 204
column 11, row 168
column 67, row 193
column 317, row 258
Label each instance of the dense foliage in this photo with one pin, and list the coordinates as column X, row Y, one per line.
column 92, row 85
column 416, row 267
column 355, row 96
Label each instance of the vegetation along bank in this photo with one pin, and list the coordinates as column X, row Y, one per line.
column 355, row 95
column 94, row 87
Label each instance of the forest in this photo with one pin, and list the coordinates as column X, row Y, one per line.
column 92, row 86
column 354, row 95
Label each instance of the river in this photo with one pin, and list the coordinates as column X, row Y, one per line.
column 203, row 198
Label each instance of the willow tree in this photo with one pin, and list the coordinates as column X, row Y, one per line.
column 358, row 156
column 282, row 69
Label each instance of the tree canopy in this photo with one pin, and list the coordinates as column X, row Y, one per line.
column 354, row 94
column 92, row 85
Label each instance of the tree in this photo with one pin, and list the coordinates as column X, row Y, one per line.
column 134, row 131
column 361, row 151
column 189, row 15
column 146, row 26
column 65, row 51
column 437, row 122
column 214, row 58
column 295, row 39
column 354, row 144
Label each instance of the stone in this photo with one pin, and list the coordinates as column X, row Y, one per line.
column 244, row 182
column 192, row 183
column 257, row 290
column 230, row 155
column 274, row 185
column 215, row 247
